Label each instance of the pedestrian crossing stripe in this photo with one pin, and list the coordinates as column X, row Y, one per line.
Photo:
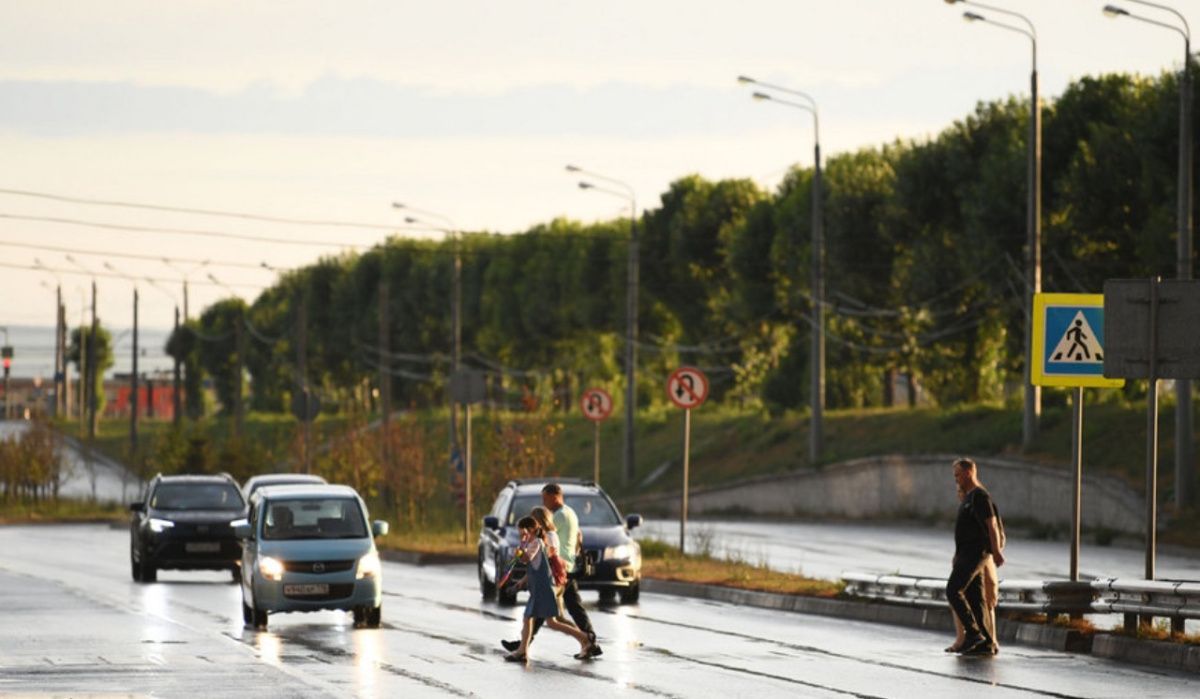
column 1068, row 341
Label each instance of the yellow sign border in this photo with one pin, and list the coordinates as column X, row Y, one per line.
column 1037, row 375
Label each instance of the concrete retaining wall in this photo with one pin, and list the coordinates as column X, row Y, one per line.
column 918, row 486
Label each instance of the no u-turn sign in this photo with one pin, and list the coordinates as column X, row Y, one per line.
column 687, row 387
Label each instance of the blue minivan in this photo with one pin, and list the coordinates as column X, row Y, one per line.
column 310, row 547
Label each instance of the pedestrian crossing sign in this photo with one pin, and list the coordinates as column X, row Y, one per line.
column 1068, row 341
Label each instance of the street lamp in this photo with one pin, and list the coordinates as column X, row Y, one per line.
column 89, row 349
column 817, row 352
column 1033, row 221
column 184, row 274
column 625, row 192
column 176, row 397
column 61, row 385
column 133, row 373
column 1185, row 473
column 455, row 302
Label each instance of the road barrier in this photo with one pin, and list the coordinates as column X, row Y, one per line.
column 1137, row 599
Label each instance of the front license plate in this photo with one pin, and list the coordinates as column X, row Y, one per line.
column 306, row 589
column 202, row 547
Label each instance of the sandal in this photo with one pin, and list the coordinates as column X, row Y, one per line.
column 516, row 658
column 588, row 653
column 953, row 648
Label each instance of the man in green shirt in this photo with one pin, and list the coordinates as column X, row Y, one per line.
column 566, row 522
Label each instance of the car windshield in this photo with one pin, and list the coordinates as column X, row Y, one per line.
column 287, row 480
column 592, row 510
column 314, row 518
column 197, row 496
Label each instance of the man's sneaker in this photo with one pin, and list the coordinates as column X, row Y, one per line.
column 593, row 650
column 510, row 646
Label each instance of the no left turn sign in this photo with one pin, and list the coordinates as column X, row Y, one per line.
column 597, row 404
column 687, row 387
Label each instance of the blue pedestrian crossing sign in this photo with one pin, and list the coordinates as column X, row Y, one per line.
column 1068, row 341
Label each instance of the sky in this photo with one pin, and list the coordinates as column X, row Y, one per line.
column 333, row 111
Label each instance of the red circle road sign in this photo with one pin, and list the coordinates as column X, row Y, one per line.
column 687, row 387
column 597, row 404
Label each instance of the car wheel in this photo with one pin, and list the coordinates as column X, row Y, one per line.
column 374, row 617
column 149, row 571
column 608, row 596
column 505, row 598
column 360, row 615
column 247, row 614
column 235, row 573
column 486, row 587
column 259, row 617
column 630, row 594
column 135, row 570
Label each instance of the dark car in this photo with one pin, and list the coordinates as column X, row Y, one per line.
column 255, row 482
column 185, row 523
column 617, row 558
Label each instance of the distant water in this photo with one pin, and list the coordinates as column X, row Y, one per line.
column 33, row 350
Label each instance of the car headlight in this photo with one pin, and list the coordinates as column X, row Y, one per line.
column 369, row 566
column 618, row 553
column 158, row 526
column 271, row 568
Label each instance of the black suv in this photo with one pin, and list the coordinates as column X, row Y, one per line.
column 183, row 522
column 617, row 558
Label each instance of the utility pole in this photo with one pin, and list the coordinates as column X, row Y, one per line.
column 176, row 398
column 133, row 405
column 302, row 376
column 93, row 398
column 385, row 379
column 239, row 336
column 1185, row 463
column 631, row 339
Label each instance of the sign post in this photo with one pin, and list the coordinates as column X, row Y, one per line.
column 687, row 387
column 597, row 405
column 1068, row 351
column 467, row 386
column 1154, row 336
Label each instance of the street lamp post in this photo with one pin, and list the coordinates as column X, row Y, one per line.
column 455, row 302
column 1185, row 470
column 176, row 399
column 817, row 352
column 631, row 311
column 1033, row 222
column 240, row 347
column 184, row 274
column 94, row 377
column 61, row 384
column 133, row 373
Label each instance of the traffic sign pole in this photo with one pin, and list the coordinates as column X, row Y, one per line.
column 596, row 455
column 597, row 405
column 683, row 506
column 1077, row 462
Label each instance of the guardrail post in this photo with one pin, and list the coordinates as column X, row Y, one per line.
column 1177, row 624
column 1131, row 621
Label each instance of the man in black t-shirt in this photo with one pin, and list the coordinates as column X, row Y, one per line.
column 975, row 535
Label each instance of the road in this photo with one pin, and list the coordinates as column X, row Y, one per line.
column 826, row 550
column 74, row 623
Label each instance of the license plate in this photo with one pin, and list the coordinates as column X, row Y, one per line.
column 202, row 547
column 306, row 589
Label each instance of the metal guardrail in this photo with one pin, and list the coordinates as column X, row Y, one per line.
column 1136, row 599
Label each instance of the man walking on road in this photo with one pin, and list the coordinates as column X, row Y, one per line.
column 566, row 522
column 976, row 534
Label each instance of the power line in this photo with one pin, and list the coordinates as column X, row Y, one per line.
column 110, row 275
column 130, row 255
column 202, row 212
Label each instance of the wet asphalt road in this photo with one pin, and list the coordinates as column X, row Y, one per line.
column 74, row 623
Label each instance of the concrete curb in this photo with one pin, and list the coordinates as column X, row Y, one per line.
column 1174, row 656
column 419, row 558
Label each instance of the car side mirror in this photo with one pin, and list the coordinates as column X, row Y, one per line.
column 379, row 528
column 491, row 522
column 633, row 521
column 137, row 507
column 242, row 530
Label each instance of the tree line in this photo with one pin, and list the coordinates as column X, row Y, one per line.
column 925, row 249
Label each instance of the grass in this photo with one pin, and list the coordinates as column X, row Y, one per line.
column 426, row 541
column 664, row 562
column 59, row 511
column 1160, row 631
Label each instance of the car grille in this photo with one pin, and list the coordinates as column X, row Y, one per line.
column 336, row 591
column 318, row 567
column 202, row 530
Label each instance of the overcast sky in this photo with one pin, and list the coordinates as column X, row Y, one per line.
column 327, row 110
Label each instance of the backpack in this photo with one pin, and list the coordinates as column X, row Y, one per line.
column 999, row 526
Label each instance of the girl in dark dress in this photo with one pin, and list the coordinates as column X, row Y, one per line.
column 543, row 601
